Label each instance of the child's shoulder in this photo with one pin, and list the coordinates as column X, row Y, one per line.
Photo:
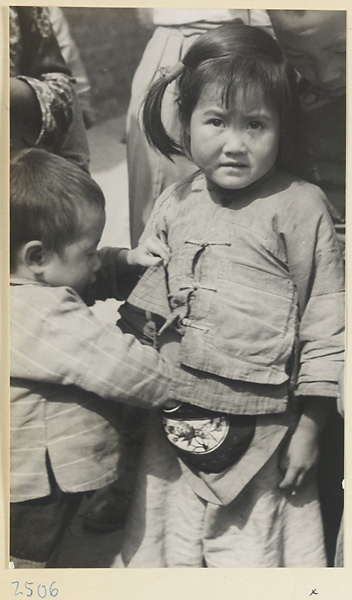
column 296, row 192
column 41, row 299
column 181, row 189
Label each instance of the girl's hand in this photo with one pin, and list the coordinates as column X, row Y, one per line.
column 148, row 253
column 299, row 458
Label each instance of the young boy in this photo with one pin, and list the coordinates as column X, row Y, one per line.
column 64, row 437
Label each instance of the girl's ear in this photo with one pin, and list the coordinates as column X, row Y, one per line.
column 34, row 256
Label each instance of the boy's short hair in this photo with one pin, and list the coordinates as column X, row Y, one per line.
column 48, row 199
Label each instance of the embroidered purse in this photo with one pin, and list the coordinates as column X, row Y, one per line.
column 207, row 440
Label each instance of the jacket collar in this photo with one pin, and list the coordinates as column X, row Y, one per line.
column 226, row 196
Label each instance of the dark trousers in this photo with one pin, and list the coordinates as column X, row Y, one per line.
column 37, row 526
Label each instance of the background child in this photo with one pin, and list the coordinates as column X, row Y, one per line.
column 254, row 265
column 44, row 106
column 64, row 439
column 315, row 44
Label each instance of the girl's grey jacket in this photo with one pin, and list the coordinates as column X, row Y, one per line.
column 251, row 271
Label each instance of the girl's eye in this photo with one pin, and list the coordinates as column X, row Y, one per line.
column 216, row 122
column 255, row 125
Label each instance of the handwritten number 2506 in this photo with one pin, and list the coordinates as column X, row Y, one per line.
column 42, row 591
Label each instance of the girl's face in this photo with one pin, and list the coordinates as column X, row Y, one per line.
column 236, row 145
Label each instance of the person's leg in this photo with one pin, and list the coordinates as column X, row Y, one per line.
column 246, row 532
column 37, row 527
column 263, row 527
column 330, row 476
column 165, row 524
column 108, row 508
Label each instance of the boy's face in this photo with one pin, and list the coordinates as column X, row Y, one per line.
column 75, row 266
column 236, row 145
column 315, row 44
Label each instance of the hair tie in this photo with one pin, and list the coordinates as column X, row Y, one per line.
column 171, row 73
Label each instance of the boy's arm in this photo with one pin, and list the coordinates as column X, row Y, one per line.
column 115, row 278
column 62, row 342
column 122, row 267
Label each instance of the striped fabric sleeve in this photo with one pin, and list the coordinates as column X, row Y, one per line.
column 62, row 342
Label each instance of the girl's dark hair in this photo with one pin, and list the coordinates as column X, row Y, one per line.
column 48, row 198
column 234, row 57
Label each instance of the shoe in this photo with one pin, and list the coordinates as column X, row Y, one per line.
column 107, row 510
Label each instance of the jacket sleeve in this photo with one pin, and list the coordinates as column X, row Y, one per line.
column 115, row 279
column 316, row 265
column 62, row 342
column 157, row 223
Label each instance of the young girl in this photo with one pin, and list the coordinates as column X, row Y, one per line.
column 250, row 307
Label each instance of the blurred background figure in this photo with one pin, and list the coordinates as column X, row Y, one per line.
column 71, row 54
column 44, row 110
column 40, row 84
column 315, row 43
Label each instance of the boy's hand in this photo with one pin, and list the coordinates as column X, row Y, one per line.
column 150, row 252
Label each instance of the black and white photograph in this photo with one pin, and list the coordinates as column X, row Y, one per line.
column 177, row 184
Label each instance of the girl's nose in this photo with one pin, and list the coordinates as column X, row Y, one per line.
column 234, row 142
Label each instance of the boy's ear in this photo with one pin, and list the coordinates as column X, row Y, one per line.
column 34, row 256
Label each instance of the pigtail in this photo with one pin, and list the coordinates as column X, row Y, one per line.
column 154, row 129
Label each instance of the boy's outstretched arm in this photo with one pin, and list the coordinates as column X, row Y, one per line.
column 122, row 267
column 60, row 341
